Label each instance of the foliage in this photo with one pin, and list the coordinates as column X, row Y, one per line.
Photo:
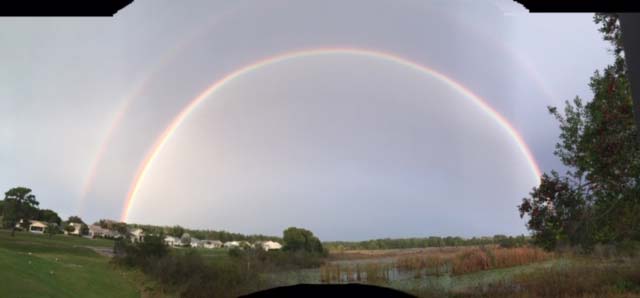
column 119, row 227
column 140, row 253
column 468, row 260
column 433, row 241
column 176, row 231
column 185, row 239
column 188, row 274
column 598, row 199
column 69, row 228
column 75, row 219
column 52, row 229
column 297, row 239
column 580, row 278
column 19, row 204
column 49, row 216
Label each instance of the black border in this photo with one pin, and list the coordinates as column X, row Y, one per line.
column 62, row 8
column 581, row 5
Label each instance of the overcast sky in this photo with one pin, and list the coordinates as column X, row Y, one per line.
column 351, row 147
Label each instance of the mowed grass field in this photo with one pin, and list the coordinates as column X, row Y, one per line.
column 33, row 265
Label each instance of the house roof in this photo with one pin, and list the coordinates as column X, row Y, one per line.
column 38, row 223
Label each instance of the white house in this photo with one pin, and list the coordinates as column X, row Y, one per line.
column 172, row 241
column 35, row 226
column 195, row 242
column 76, row 228
column 212, row 243
column 136, row 235
column 245, row 244
column 231, row 244
column 270, row 245
column 98, row 231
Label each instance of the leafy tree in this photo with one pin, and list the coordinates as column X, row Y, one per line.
column 297, row 239
column 19, row 204
column 75, row 219
column 49, row 216
column 119, row 227
column 176, row 231
column 598, row 199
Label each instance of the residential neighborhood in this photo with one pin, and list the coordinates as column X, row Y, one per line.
column 137, row 235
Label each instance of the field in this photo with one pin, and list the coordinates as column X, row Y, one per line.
column 35, row 265
column 479, row 272
column 64, row 266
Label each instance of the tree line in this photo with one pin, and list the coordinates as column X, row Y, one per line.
column 433, row 241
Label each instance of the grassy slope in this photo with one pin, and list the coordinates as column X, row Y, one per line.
column 34, row 265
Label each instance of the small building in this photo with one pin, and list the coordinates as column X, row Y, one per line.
column 76, row 228
column 231, row 244
column 212, row 243
column 195, row 242
column 35, row 226
column 270, row 245
column 96, row 231
column 172, row 241
column 246, row 244
column 136, row 235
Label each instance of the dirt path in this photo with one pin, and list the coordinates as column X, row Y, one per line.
column 103, row 251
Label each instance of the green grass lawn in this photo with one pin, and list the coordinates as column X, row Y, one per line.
column 33, row 265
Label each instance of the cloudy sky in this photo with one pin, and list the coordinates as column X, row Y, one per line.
column 350, row 146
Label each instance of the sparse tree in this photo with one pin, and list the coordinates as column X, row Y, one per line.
column 52, row 229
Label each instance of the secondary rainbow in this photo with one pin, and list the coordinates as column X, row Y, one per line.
column 140, row 87
column 154, row 151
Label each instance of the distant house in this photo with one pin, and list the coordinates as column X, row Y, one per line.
column 76, row 228
column 231, row 244
column 195, row 242
column 270, row 245
column 212, row 243
column 172, row 241
column 96, row 231
column 35, row 226
column 136, row 235
column 245, row 244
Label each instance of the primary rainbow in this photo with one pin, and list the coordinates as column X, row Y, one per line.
column 144, row 167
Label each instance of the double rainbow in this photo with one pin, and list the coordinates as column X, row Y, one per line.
column 169, row 131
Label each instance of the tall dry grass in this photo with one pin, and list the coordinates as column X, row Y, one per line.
column 374, row 273
column 471, row 260
column 587, row 278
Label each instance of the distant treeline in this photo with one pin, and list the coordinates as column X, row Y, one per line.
column 223, row 236
column 434, row 241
